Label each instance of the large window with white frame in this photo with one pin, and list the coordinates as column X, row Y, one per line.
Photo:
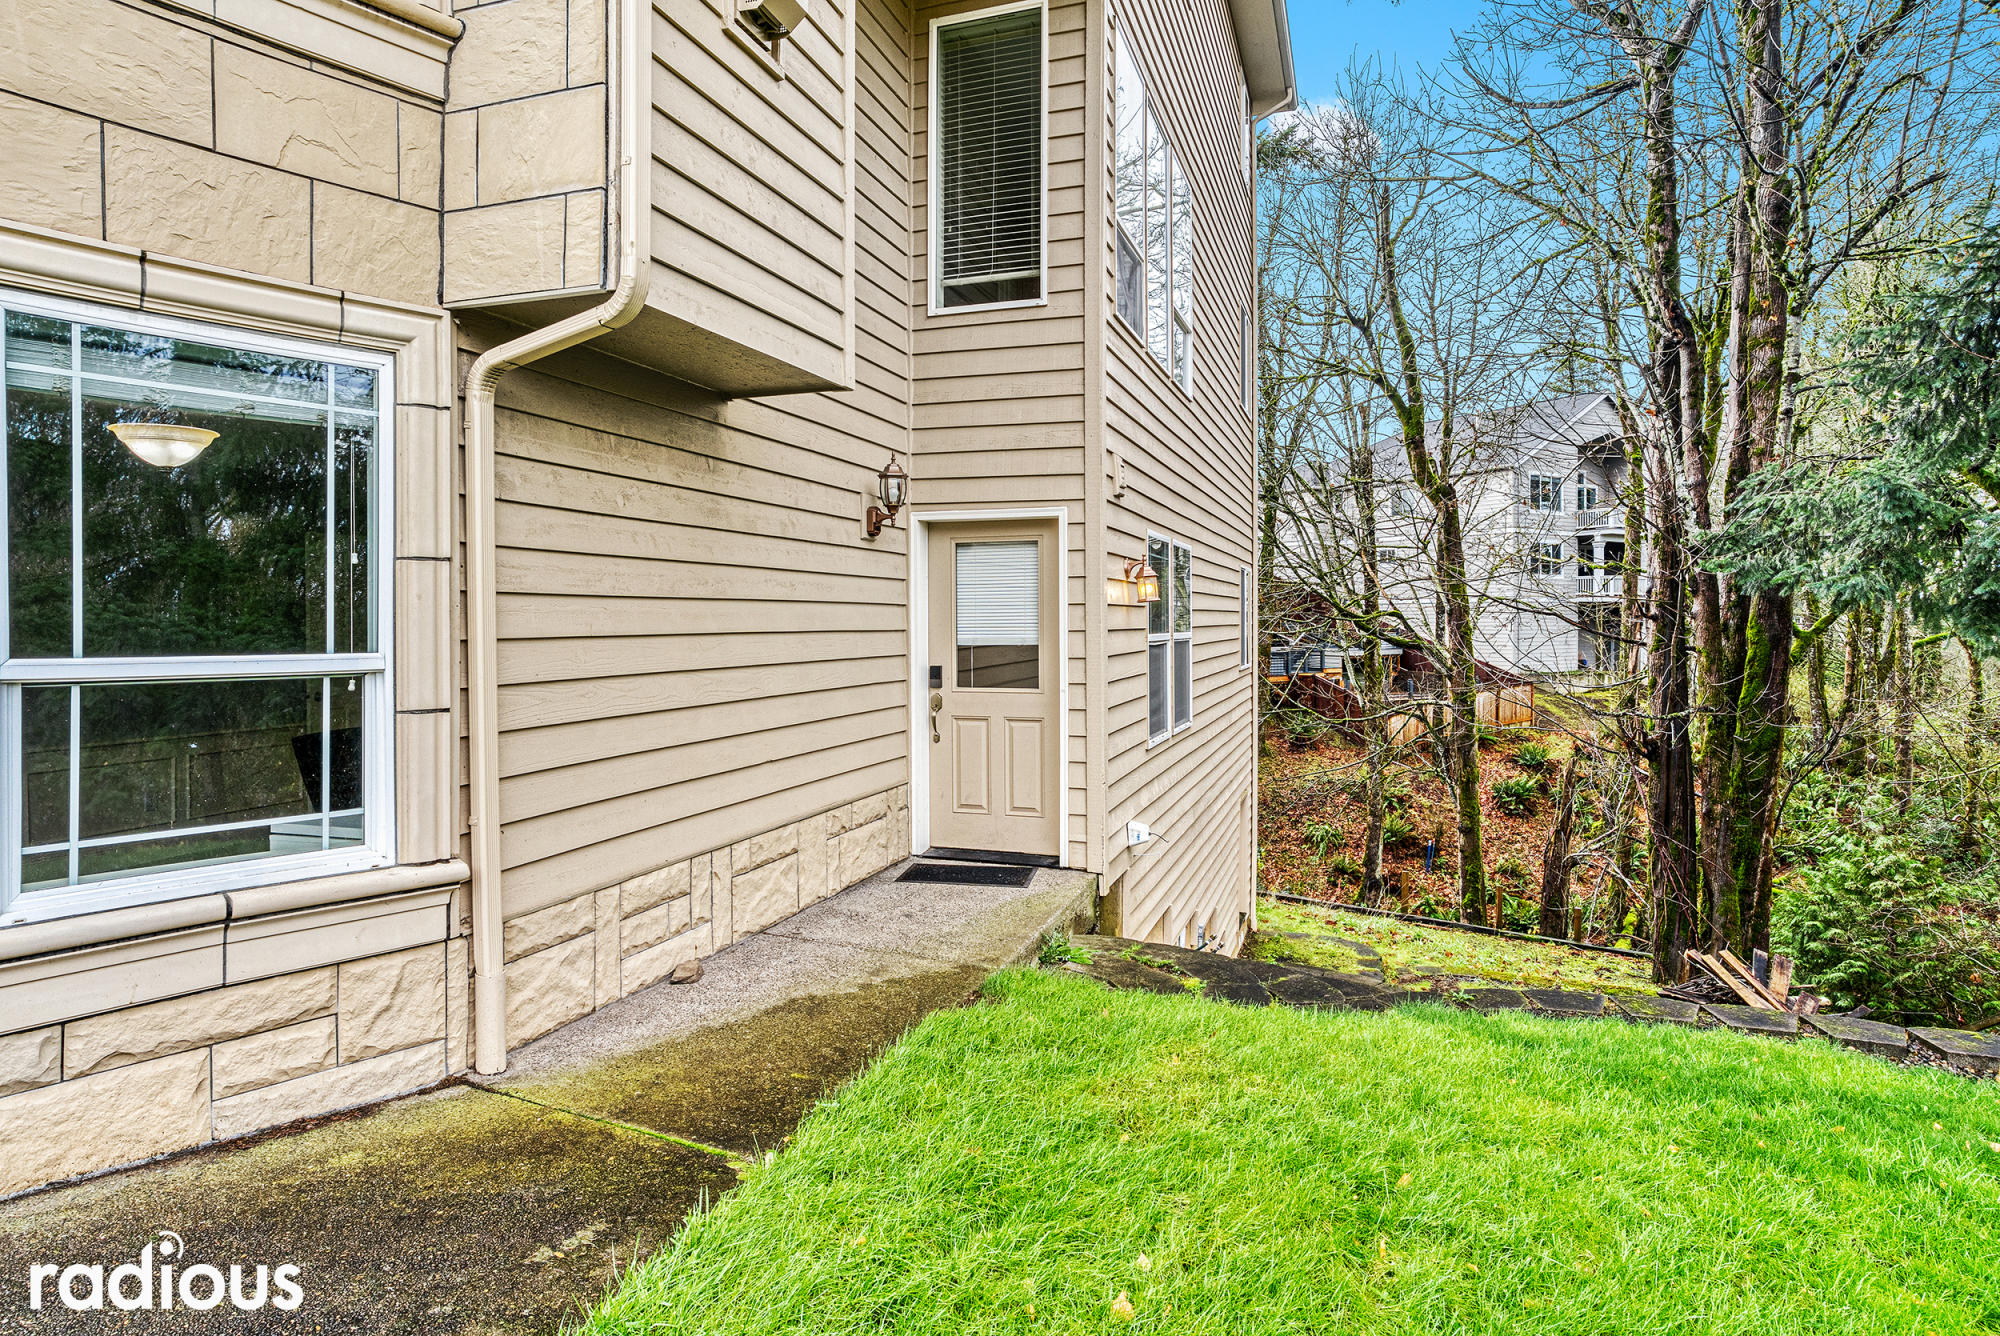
column 1155, row 213
column 988, row 132
column 194, row 662
column 1170, row 639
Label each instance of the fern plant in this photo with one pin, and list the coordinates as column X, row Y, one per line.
column 1516, row 797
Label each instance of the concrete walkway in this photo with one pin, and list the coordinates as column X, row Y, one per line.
column 507, row 1205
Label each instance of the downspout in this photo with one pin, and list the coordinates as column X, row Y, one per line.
column 627, row 298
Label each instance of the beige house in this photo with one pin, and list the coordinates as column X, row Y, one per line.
column 441, row 592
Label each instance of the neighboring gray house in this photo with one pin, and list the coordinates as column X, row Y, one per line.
column 1543, row 489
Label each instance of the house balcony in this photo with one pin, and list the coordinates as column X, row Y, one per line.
column 1607, row 519
column 1606, row 586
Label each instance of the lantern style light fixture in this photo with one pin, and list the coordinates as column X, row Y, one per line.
column 892, row 487
column 164, row 445
column 1145, row 581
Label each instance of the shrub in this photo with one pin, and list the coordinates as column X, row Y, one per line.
column 1532, row 756
column 1397, row 830
column 1518, row 914
column 1302, row 729
column 1340, row 866
column 1396, row 795
column 1516, row 797
column 1511, row 870
column 1873, row 924
column 1323, row 836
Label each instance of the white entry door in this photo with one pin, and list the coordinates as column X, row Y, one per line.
column 993, row 691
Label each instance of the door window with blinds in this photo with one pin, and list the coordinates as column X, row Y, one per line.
column 193, row 666
column 1155, row 211
column 998, row 610
column 987, row 164
column 1170, row 639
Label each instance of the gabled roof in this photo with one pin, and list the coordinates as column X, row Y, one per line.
column 1264, row 37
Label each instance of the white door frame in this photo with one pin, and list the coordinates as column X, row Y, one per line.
column 920, row 625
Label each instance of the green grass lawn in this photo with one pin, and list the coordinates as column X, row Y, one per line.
column 1505, row 960
column 1019, row 1165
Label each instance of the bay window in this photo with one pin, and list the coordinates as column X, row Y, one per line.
column 193, row 668
column 987, row 159
column 1155, row 214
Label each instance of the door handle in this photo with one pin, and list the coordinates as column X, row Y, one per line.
column 937, row 703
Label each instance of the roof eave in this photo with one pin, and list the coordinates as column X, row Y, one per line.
column 1264, row 37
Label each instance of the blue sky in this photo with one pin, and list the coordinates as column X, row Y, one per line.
column 1327, row 34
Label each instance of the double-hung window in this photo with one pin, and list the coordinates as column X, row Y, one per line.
column 1246, row 620
column 1548, row 559
column 193, row 661
column 1170, row 639
column 1155, row 211
column 987, row 133
column 1544, row 493
column 1248, row 353
column 1586, row 497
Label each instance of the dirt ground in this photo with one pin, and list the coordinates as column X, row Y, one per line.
column 1312, row 814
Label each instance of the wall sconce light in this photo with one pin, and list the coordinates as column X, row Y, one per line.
column 892, row 486
column 1145, row 581
column 163, row 444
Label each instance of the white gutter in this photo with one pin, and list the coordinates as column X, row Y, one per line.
column 627, row 298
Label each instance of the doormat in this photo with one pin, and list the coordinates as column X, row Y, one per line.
column 960, row 874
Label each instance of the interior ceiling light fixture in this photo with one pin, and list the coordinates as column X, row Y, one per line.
column 164, row 445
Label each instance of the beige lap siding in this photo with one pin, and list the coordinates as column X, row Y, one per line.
column 90, row 1084
column 998, row 400
column 570, row 958
column 1191, row 474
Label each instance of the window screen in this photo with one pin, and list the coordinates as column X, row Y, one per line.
column 989, row 170
column 998, row 613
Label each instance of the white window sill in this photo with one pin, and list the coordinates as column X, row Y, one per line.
column 1022, row 305
column 129, row 892
column 80, row 926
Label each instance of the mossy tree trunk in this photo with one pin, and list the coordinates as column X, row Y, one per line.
column 1975, row 746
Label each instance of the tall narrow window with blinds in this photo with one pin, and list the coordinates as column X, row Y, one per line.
column 999, row 614
column 987, row 178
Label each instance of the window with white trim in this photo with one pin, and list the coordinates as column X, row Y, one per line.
column 1544, row 493
column 1248, row 355
column 987, row 159
column 1586, row 497
column 1249, row 142
column 1155, row 213
column 1548, row 559
column 1170, row 639
column 1246, row 622
column 193, row 658
column 1160, row 642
